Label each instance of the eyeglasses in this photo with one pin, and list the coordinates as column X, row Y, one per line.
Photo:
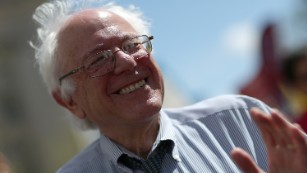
column 103, row 62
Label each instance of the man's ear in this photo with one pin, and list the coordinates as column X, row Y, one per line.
column 69, row 104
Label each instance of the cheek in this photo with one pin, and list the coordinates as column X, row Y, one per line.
column 96, row 89
column 158, row 75
column 162, row 89
column 85, row 90
column 89, row 100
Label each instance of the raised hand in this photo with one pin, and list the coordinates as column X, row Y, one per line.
column 286, row 145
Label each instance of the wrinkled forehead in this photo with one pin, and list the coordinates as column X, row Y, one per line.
column 90, row 21
column 86, row 29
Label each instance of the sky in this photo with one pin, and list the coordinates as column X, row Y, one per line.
column 207, row 48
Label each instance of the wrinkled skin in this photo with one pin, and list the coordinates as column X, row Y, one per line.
column 128, row 119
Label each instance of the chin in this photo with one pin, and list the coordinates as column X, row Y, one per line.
column 151, row 106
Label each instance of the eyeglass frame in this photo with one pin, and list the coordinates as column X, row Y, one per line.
column 76, row 70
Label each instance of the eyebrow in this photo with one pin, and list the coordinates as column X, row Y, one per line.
column 129, row 36
column 102, row 46
column 92, row 52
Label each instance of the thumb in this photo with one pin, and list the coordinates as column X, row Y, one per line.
column 245, row 161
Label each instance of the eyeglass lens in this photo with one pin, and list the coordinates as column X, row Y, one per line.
column 103, row 62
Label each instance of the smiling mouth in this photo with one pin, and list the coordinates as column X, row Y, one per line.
column 132, row 87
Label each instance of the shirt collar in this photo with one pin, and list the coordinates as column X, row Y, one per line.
column 110, row 149
column 166, row 132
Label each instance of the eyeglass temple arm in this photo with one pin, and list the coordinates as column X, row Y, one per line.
column 70, row 73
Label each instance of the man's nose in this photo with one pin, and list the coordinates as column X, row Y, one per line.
column 124, row 62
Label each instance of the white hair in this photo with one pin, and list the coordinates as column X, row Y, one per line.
column 51, row 16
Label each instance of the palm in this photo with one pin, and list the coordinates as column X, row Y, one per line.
column 286, row 146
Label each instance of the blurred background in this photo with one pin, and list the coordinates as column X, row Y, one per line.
column 205, row 48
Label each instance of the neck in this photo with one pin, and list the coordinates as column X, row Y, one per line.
column 136, row 138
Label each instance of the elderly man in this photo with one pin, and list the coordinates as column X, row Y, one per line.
column 97, row 63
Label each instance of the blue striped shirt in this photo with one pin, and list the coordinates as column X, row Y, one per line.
column 204, row 135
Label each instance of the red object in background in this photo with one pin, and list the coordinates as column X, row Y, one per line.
column 265, row 85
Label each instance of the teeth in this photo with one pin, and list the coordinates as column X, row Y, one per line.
column 132, row 87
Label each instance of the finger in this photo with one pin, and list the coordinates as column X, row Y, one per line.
column 300, row 149
column 244, row 161
column 298, row 126
column 283, row 127
column 293, row 136
column 264, row 124
column 300, row 141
